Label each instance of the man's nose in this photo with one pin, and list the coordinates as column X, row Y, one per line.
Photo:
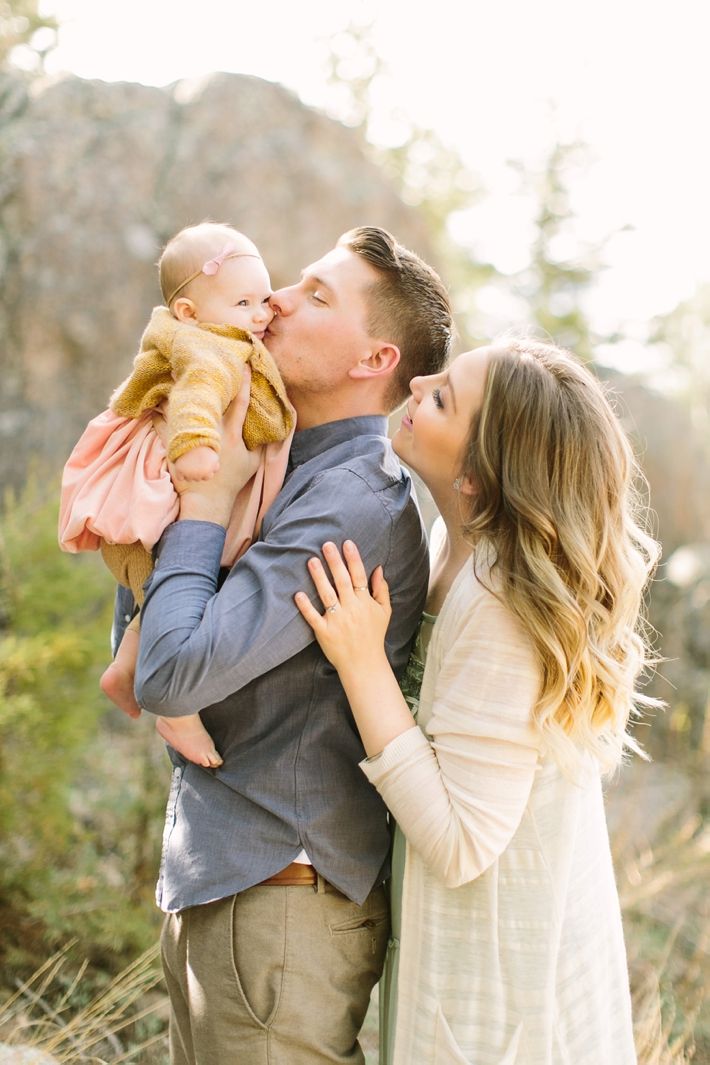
column 281, row 301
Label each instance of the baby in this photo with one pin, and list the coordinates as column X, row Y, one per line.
column 190, row 365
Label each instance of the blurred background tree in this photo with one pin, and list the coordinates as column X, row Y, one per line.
column 684, row 336
column 27, row 35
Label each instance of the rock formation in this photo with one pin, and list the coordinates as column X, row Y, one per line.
column 95, row 176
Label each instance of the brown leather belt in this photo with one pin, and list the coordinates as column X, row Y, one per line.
column 294, row 875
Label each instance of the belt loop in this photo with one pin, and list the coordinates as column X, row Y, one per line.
column 320, row 884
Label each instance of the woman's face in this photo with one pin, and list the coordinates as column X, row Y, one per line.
column 436, row 422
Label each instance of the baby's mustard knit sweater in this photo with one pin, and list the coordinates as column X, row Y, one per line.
column 199, row 369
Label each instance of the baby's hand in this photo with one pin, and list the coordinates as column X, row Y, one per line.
column 200, row 464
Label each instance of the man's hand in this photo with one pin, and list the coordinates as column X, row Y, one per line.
column 213, row 500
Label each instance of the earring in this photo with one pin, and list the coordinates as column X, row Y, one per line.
column 457, row 484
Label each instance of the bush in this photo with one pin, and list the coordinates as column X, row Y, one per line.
column 81, row 790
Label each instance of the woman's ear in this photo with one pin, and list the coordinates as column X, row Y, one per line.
column 464, row 484
column 184, row 310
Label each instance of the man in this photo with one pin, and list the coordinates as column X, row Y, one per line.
column 273, row 865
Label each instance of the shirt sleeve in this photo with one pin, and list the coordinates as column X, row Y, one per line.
column 200, row 643
column 124, row 608
column 459, row 791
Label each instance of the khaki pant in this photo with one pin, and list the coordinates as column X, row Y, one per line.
column 273, row 976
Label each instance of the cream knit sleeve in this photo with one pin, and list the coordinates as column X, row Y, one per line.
column 459, row 786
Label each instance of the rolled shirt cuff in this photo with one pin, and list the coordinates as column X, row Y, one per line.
column 192, row 545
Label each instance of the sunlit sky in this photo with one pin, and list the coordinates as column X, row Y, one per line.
column 498, row 80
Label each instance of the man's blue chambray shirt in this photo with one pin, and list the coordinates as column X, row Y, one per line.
column 241, row 653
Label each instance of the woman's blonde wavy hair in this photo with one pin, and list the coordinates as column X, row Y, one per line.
column 557, row 499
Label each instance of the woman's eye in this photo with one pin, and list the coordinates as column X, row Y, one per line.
column 436, row 396
column 318, row 298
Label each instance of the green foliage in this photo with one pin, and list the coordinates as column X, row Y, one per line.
column 26, row 33
column 561, row 267
column 353, row 67
column 685, row 333
column 432, row 176
column 47, row 716
column 80, row 796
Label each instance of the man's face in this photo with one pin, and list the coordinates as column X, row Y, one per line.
column 319, row 332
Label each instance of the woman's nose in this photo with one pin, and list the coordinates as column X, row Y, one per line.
column 415, row 386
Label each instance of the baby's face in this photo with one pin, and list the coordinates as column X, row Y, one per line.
column 238, row 294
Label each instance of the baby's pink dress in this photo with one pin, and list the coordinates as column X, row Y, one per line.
column 116, row 487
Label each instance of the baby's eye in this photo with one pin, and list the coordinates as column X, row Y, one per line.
column 436, row 396
column 243, row 303
column 267, row 298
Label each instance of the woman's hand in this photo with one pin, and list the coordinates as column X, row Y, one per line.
column 213, row 499
column 352, row 630
column 351, row 633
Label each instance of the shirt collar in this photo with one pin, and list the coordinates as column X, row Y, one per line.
column 310, row 442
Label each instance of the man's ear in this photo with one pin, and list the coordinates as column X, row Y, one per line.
column 185, row 310
column 382, row 361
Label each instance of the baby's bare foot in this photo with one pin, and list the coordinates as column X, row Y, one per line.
column 117, row 684
column 190, row 738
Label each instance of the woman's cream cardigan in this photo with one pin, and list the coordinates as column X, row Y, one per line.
column 512, row 950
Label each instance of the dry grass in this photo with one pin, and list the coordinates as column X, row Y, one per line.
column 657, row 1041
column 661, row 849
column 662, row 857
column 38, row 1015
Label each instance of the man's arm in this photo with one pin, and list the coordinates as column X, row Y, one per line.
column 200, row 644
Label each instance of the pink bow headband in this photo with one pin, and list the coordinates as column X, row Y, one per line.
column 211, row 267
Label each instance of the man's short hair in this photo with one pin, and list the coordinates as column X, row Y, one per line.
column 408, row 306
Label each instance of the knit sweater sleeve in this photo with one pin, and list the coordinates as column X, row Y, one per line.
column 458, row 788
column 207, row 371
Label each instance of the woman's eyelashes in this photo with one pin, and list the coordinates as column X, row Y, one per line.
column 436, row 396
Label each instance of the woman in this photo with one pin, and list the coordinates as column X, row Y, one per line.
column 504, row 902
